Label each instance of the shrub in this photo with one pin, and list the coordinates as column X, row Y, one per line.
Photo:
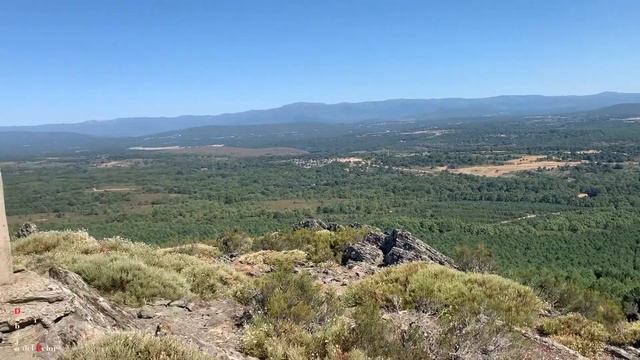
column 121, row 346
column 577, row 332
column 268, row 258
column 212, row 280
column 478, row 258
column 286, row 296
column 130, row 272
column 234, row 242
column 43, row 242
column 567, row 296
column 202, row 251
column 438, row 289
column 128, row 280
column 380, row 338
column 626, row 334
column 321, row 245
column 295, row 318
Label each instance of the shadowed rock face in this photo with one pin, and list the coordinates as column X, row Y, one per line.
column 6, row 269
column 384, row 249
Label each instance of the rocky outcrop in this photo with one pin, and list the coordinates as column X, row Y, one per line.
column 401, row 247
column 312, row 224
column 26, row 229
column 43, row 316
column 396, row 247
column 362, row 252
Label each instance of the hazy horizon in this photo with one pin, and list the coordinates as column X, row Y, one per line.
column 299, row 102
column 72, row 61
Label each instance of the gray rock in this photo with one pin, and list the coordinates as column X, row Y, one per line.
column 161, row 302
column 313, row 224
column 334, row 227
column 26, row 229
column 182, row 304
column 362, row 251
column 402, row 247
column 145, row 312
column 47, row 296
column 384, row 249
column 60, row 311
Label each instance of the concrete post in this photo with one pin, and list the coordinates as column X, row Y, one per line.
column 6, row 266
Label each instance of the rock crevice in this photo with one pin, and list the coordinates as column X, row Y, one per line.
column 396, row 247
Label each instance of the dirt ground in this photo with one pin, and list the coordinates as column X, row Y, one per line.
column 524, row 163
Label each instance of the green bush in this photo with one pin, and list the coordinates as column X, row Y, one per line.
column 205, row 252
column 128, row 280
column 321, row 245
column 130, row 272
column 568, row 296
column 577, row 332
column 50, row 241
column 380, row 338
column 294, row 297
column 295, row 317
column 234, row 242
column 268, row 258
column 438, row 289
column 626, row 334
column 478, row 258
column 132, row 346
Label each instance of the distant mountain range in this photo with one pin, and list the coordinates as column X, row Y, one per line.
column 28, row 142
column 396, row 109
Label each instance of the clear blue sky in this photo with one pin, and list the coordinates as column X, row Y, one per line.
column 69, row 61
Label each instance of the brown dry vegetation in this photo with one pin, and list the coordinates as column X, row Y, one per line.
column 130, row 273
column 524, row 163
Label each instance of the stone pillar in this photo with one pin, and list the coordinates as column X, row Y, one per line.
column 6, row 266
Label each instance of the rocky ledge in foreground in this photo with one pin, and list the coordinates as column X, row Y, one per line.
column 42, row 317
column 59, row 311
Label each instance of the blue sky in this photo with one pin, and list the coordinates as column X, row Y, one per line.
column 69, row 61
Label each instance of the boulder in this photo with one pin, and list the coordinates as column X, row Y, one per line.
column 362, row 252
column 402, row 247
column 384, row 249
column 145, row 312
column 334, row 227
column 313, row 224
column 26, row 229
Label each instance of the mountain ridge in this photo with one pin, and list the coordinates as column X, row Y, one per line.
column 346, row 112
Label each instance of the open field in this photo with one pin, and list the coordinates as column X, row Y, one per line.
column 119, row 163
column 525, row 163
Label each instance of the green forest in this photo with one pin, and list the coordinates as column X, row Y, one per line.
column 535, row 226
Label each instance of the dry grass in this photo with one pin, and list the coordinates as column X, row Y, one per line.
column 131, row 273
column 205, row 252
column 524, row 163
column 441, row 290
column 125, row 345
column 273, row 258
column 577, row 332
